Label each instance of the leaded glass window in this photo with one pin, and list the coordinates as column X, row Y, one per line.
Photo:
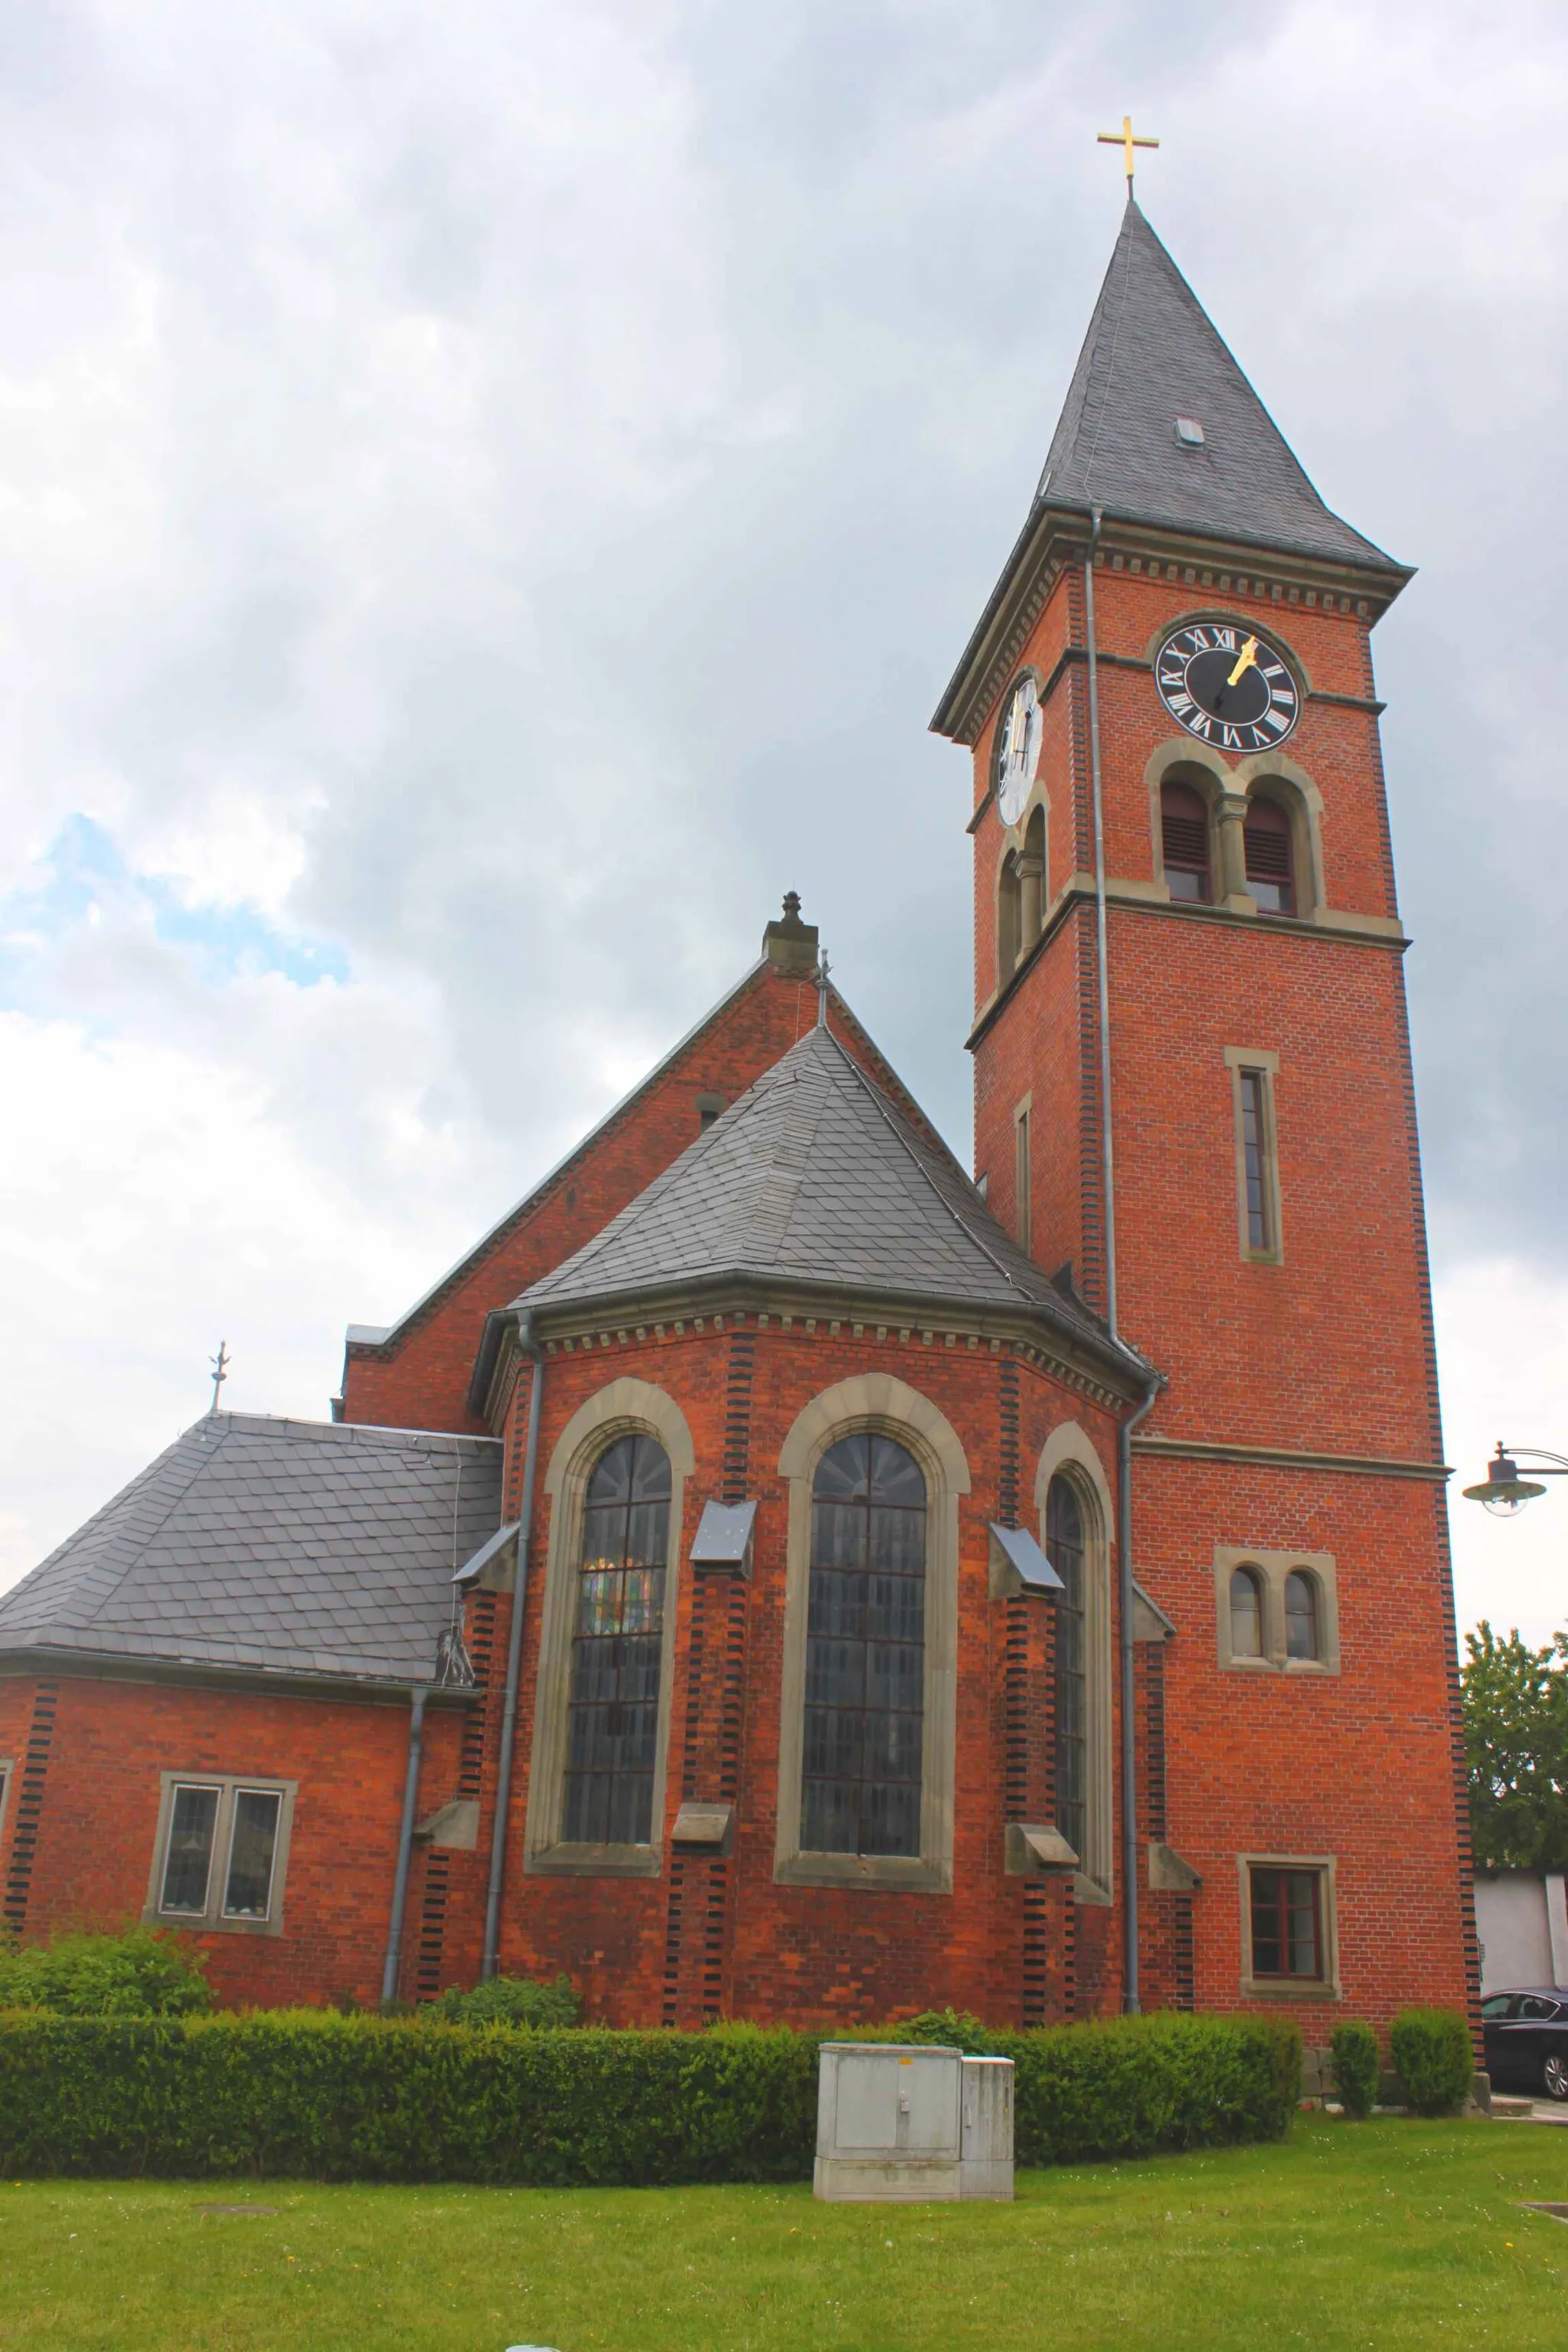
column 188, row 1861
column 864, row 1659
column 1064, row 1549
column 616, row 1648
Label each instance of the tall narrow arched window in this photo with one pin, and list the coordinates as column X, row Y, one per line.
column 613, row 1707
column 1184, row 842
column 865, row 1662
column 1009, row 919
column 1300, row 1616
column 1032, row 880
column 1245, row 1613
column 1064, row 1549
column 1270, row 869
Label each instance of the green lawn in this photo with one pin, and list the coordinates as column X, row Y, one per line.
column 1387, row 2234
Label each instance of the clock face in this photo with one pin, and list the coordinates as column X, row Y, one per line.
column 1227, row 685
column 1018, row 750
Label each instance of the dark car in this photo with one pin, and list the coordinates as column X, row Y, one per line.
column 1527, row 2040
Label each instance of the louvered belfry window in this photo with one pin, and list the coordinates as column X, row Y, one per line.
column 864, row 1660
column 613, row 1719
column 1270, row 877
column 1064, row 1549
column 1184, row 842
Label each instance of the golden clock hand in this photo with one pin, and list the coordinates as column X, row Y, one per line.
column 1248, row 657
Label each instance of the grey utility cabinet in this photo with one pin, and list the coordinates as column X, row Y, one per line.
column 905, row 2125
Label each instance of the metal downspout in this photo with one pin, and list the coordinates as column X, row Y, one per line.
column 393, row 1966
column 1130, row 1997
column 513, row 1655
column 1129, row 2000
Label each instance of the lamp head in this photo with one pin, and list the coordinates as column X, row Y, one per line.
column 1502, row 1491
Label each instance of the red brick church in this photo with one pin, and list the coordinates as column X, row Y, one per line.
column 774, row 1575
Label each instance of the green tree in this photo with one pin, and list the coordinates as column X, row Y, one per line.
column 1516, row 1750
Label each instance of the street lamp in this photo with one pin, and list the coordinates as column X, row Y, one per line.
column 1503, row 1492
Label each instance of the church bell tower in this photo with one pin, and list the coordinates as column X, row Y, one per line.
column 1194, row 1100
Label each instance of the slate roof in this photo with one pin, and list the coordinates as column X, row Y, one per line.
column 261, row 1544
column 1151, row 355
column 812, row 1178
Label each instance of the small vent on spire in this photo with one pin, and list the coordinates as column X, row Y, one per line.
column 1189, row 430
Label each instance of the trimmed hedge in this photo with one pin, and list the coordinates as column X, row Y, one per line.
column 310, row 2094
column 1432, row 2059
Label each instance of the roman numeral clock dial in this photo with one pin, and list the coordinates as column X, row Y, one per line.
column 1228, row 687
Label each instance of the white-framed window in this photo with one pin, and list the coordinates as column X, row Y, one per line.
column 8, row 1774
column 222, row 1852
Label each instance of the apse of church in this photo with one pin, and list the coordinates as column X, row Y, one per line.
column 774, row 1575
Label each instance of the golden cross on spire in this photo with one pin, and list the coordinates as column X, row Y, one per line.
column 1124, row 139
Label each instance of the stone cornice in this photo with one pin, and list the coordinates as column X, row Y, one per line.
column 679, row 1310
column 1281, row 1458
column 1343, row 926
column 1056, row 536
column 117, row 1666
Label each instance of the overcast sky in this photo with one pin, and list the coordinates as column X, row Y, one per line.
column 490, row 495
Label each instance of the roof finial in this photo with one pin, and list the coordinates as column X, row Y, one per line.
column 792, row 905
column 220, row 1364
column 820, row 976
column 1126, row 142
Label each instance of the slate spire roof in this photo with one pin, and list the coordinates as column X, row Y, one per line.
column 1152, row 355
column 813, row 1180
column 264, row 1545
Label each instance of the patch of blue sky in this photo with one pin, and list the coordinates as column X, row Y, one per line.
column 83, row 878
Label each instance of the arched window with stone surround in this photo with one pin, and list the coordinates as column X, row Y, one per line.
column 862, row 1760
column 1270, row 858
column 1185, row 846
column 1245, row 1613
column 1064, row 1551
column 1303, row 1637
column 617, row 1646
column 1009, row 919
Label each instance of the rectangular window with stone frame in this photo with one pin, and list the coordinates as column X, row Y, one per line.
column 1289, row 1928
column 1253, row 1071
column 221, row 1852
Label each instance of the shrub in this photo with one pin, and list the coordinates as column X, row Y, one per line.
column 141, row 1973
column 1432, row 2056
column 316, row 2095
column 1352, row 2052
column 511, row 2000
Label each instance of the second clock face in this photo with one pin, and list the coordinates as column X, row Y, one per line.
column 1227, row 686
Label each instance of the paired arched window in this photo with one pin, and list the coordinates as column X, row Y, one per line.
column 1254, row 1619
column 1245, row 1613
column 1270, row 867
column 865, row 1666
column 1064, row 1551
column 1184, row 842
column 616, row 1645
